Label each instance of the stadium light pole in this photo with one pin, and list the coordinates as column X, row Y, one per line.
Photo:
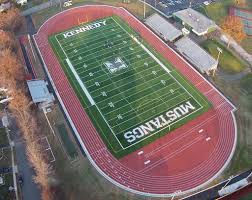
column 249, row 175
column 176, row 193
column 219, row 52
column 60, row 5
column 144, row 9
column 218, row 58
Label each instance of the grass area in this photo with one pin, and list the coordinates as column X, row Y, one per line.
column 4, row 189
column 140, row 92
column 246, row 83
column 247, row 44
column 3, row 137
column 228, row 61
column 78, row 178
column 5, row 157
column 247, row 197
column 68, row 144
column 217, row 10
column 242, row 159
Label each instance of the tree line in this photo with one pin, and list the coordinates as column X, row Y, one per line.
column 12, row 78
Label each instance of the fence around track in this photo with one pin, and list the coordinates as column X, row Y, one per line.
column 121, row 172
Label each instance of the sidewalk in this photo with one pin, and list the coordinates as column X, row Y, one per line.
column 29, row 189
column 238, row 49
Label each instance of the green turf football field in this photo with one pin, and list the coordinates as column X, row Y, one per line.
column 131, row 93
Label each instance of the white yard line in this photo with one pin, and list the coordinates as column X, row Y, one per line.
column 93, row 102
column 103, row 80
column 81, row 46
column 150, row 62
column 162, row 129
column 84, row 35
column 102, row 88
column 139, row 107
column 144, row 97
column 61, row 46
column 112, row 56
column 80, row 83
column 145, row 49
column 129, row 127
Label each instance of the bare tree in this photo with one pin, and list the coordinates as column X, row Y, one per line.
column 11, row 19
column 7, row 40
column 10, row 66
column 233, row 27
column 240, row 2
column 12, row 74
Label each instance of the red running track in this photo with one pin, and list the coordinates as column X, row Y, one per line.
column 182, row 160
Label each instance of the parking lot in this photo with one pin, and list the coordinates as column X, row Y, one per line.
column 170, row 6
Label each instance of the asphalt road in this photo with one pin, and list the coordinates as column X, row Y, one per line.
column 30, row 190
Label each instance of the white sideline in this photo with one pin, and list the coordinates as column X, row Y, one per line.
column 80, row 82
column 151, row 54
column 145, row 49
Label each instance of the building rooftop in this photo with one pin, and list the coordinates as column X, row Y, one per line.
column 196, row 55
column 39, row 91
column 163, row 28
column 199, row 23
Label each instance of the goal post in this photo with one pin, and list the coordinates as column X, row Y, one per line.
column 83, row 20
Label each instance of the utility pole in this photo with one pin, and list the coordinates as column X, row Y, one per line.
column 176, row 193
column 249, row 175
column 219, row 52
column 144, row 9
column 218, row 58
column 12, row 156
column 60, row 5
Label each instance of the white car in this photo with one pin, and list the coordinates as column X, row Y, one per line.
column 206, row 3
column 21, row 2
column 68, row 3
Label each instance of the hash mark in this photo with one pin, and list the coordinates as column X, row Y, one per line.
column 104, row 94
column 154, row 72
column 119, row 116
